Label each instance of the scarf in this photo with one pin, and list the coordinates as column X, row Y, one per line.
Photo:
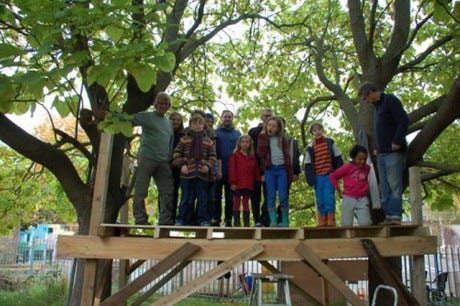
column 197, row 145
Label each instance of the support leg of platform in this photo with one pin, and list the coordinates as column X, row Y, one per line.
column 180, row 255
column 315, row 262
column 211, row 275
column 387, row 274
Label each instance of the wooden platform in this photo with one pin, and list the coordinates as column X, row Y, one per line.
column 217, row 243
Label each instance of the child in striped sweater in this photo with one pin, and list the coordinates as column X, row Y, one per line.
column 322, row 157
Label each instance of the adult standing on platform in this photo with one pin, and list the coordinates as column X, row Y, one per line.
column 390, row 127
column 226, row 138
column 260, row 217
column 154, row 156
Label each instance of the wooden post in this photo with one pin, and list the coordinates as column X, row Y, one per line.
column 97, row 213
column 418, row 276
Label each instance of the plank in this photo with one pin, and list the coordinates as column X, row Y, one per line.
column 163, row 281
column 387, row 274
column 181, row 254
column 223, row 249
column 316, row 262
column 211, row 275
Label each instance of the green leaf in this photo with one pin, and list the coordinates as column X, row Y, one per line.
column 126, row 129
column 144, row 75
column 33, row 83
column 115, row 33
column 166, row 62
column 61, row 107
column 7, row 94
column 440, row 12
column 7, row 50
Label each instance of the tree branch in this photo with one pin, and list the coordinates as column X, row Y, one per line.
column 448, row 112
column 47, row 155
column 424, row 54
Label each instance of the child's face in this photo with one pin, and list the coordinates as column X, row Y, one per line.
column 176, row 121
column 272, row 128
column 209, row 122
column 245, row 144
column 317, row 131
column 197, row 126
column 360, row 159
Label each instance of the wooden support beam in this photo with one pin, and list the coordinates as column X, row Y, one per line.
column 180, row 255
column 211, row 275
column 97, row 212
column 159, row 284
column 315, row 261
column 134, row 266
column 106, row 276
column 279, row 249
column 387, row 274
column 292, row 282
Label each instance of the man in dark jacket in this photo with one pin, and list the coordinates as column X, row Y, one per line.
column 390, row 127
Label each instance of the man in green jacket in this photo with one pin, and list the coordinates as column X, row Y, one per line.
column 154, row 156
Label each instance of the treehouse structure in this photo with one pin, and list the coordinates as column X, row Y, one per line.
column 301, row 251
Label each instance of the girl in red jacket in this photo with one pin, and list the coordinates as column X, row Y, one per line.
column 242, row 174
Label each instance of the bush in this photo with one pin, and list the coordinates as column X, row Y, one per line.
column 42, row 290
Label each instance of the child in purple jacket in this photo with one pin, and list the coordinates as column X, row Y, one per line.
column 355, row 187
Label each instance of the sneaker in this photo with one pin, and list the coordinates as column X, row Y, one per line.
column 258, row 224
column 179, row 223
column 204, row 223
column 143, row 222
column 395, row 222
column 228, row 224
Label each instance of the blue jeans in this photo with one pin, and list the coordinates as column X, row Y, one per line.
column 276, row 179
column 192, row 189
column 391, row 167
column 325, row 195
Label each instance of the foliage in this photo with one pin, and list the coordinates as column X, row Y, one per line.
column 29, row 194
column 44, row 290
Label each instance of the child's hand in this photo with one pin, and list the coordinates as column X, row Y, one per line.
column 233, row 187
column 262, row 178
column 184, row 169
column 204, row 169
column 295, row 177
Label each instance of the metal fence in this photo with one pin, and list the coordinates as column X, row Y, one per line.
column 20, row 260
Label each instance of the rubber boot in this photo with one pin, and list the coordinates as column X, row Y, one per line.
column 322, row 221
column 236, row 218
column 246, row 218
column 272, row 216
column 331, row 220
column 285, row 217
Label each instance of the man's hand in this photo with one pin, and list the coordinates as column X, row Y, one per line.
column 395, row 147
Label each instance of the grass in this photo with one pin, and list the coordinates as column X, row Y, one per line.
column 38, row 295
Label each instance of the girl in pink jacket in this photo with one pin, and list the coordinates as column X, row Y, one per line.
column 355, row 187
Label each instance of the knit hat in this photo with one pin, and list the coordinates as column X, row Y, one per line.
column 209, row 115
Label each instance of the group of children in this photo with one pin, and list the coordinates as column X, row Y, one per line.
column 195, row 158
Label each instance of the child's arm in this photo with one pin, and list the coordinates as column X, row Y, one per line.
column 335, row 175
column 232, row 172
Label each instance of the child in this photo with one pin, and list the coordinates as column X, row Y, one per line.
column 195, row 156
column 322, row 157
column 355, row 187
column 243, row 172
column 276, row 168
